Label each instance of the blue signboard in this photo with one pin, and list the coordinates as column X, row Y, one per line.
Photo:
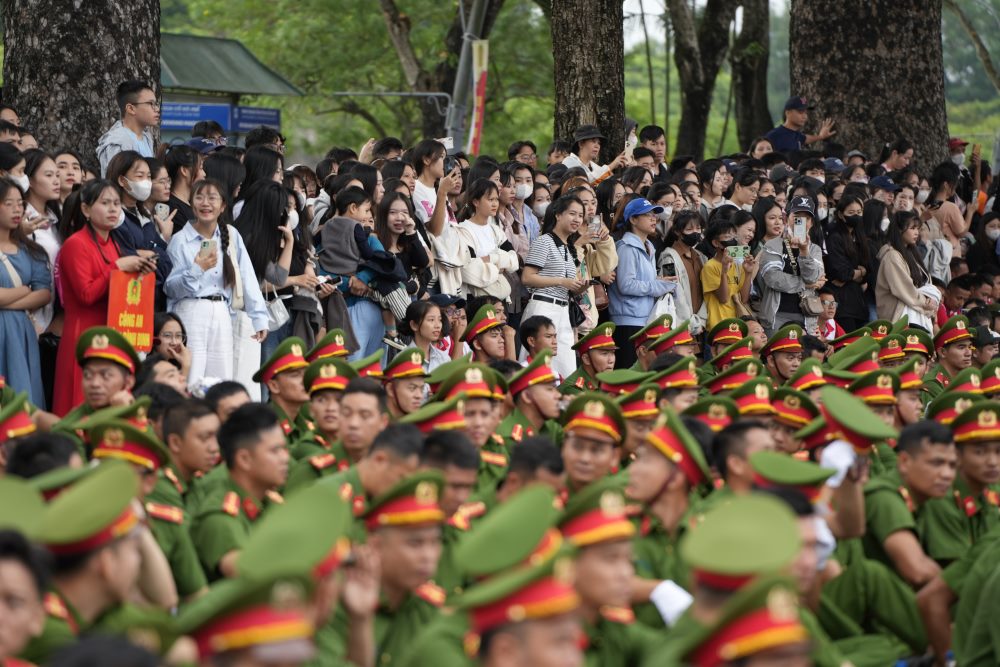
column 183, row 115
column 247, row 118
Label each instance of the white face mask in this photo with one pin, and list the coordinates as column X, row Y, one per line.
column 22, row 182
column 904, row 205
column 821, row 213
column 540, row 208
column 922, row 196
column 667, row 212
column 140, row 190
column 121, row 219
column 522, row 191
column 859, row 179
column 958, row 158
column 293, row 220
column 993, row 234
column 885, row 224
column 300, row 198
column 747, row 207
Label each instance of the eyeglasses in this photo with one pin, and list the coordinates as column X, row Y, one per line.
column 163, row 181
column 456, row 312
column 173, row 337
column 152, row 104
column 211, row 199
column 529, row 156
column 827, row 304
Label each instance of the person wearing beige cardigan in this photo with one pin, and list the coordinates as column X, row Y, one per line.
column 899, row 285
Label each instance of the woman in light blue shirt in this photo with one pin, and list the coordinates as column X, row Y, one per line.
column 636, row 287
column 211, row 279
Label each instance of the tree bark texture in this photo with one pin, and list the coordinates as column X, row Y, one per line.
column 589, row 43
column 876, row 69
column 64, row 60
column 700, row 47
column 749, row 66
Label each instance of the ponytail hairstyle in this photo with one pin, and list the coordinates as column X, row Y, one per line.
column 180, row 156
column 480, row 188
column 17, row 235
column 901, row 222
column 228, row 270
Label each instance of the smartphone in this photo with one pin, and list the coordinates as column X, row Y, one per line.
column 161, row 211
column 799, row 229
column 207, row 248
column 449, row 164
column 669, row 269
column 738, row 251
column 595, row 226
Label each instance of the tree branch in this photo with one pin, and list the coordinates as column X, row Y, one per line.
column 977, row 42
column 398, row 25
column 355, row 109
column 686, row 53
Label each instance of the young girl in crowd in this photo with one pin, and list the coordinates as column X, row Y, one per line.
column 426, row 324
column 25, row 285
column 492, row 254
column 212, row 279
column 41, row 216
column 83, row 273
column 184, row 169
column 69, row 166
column 170, row 341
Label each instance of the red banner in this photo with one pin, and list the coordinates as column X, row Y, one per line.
column 480, row 65
column 131, row 304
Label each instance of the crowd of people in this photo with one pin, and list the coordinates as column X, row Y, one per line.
column 408, row 406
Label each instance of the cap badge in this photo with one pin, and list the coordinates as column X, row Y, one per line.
column 327, row 371
column 114, row 437
column 962, row 404
column 416, row 358
column 649, row 396
column 793, row 335
column 287, row 595
column 473, row 375
column 893, row 344
column 793, row 402
column 100, row 342
column 734, row 327
column 884, row 382
column 882, row 329
column 960, row 324
column 761, row 391
column 716, row 411
column 752, row 371
column 781, row 605
column 564, row 571
column 338, row 339
column 974, row 380
column 593, row 409
column 460, row 407
column 988, row 418
column 612, row 504
column 912, row 340
column 491, row 315
column 426, row 493
column 692, row 367
column 817, row 371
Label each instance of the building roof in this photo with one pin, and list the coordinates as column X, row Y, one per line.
column 212, row 64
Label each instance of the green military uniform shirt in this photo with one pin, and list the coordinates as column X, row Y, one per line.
column 516, row 427
column 295, row 429
column 441, row 643
column 63, row 625
column 975, row 638
column 935, row 382
column 888, row 509
column 169, row 526
column 348, row 484
column 493, row 461
column 616, row 640
column 222, row 524
column 882, row 458
column 449, row 576
column 312, row 467
column 654, row 554
column 311, row 445
column 958, row 520
column 578, row 382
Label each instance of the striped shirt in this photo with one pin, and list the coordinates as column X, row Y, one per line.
column 553, row 259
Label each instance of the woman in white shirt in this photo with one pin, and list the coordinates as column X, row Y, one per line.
column 211, row 279
column 41, row 218
column 491, row 253
column 586, row 149
column 431, row 207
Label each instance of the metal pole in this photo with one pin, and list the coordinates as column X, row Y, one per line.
column 458, row 110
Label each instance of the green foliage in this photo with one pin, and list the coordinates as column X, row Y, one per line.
column 965, row 79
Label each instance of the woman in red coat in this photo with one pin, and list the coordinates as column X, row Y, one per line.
column 83, row 273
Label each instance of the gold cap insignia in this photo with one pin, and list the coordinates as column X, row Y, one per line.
column 996, row 372
column 100, row 342
column 988, row 418
column 734, row 327
column 296, row 349
column 752, row 371
column 564, row 571
column 416, row 358
column 716, row 411
column 144, row 637
column 140, row 414
column 781, row 605
column 491, row 315
column 649, row 396
column 793, row 335
column 426, row 493
column 962, row 404
column 882, row 329
column 339, row 340
column 114, row 437
column 817, row 371
column 612, row 504
column 883, row 382
column 960, row 324
column 692, row 367
column 460, row 407
column 913, row 340
column 473, row 375
column 893, row 344
column 793, row 402
column 974, row 380
column 761, row 391
column 287, row 595
column 593, row 409
column 328, row 371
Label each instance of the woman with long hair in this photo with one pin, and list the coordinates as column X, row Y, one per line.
column 211, row 280
column 483, row 273
column 846, row 263
column 902, row 281
column 184, row 168
column 396, row 227
column 681, row 259
column 425, row 323
column 25, row 285
column 83, row 272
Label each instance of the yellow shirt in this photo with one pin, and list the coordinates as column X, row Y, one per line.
column 711, row 279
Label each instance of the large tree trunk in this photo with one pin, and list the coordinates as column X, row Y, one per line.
column 700, row 48
column 876, row 69
column 589, row 42
column 749, row 67
column 63, row 62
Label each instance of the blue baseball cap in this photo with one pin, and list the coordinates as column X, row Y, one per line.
column 882, row 183
column 798, row 103
column 833, row 164
column 639, row 207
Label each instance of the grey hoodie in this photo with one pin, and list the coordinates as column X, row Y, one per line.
column 119, row 138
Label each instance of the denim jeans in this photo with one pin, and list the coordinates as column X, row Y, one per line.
column 366, row 318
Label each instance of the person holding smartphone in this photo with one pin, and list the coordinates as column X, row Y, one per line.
column 725, row 284
column 791, row 267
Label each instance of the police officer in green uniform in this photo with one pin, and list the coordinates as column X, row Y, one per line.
column 91, row 529
column 190, row 432
column 594, row 429
column 640, row 410
column 325, row 380
column 114, row 439
column 972, row 507
column 255, row 453
column 596, row 352
column 107, row 353
column 783, row 353
column 283, row 374
column 516, row 535
column 536, row 403
column 953, row 345
column 595, row 522
column 879, row 391
column 405, row 382
column 644, row 337
column 668, row 467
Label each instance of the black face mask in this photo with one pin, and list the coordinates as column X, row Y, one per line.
column 853, row 220
column 730, row 243
column 692, row 239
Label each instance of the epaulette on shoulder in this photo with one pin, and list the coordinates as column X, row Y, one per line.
column 622, row 615
column 432, row 593
column 493, row 458
column 274, row 497
column 231, row 504
column 167, row 513
column 465, row 513
column 54, row 606
column 322, row 461
column 517, row 433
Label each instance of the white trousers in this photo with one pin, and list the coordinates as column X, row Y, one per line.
column 209, row 337
column 564, row 362
column 246, row 354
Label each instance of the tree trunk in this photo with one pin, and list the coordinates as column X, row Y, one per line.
column 589, row 42
column 700, row 48
column 749, row 67
column 879, row 74
column 63, row 63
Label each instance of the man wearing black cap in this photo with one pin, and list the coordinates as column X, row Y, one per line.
column 586, row 149
column 789, row 135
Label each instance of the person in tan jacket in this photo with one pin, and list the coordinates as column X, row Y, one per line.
column 902, row 285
